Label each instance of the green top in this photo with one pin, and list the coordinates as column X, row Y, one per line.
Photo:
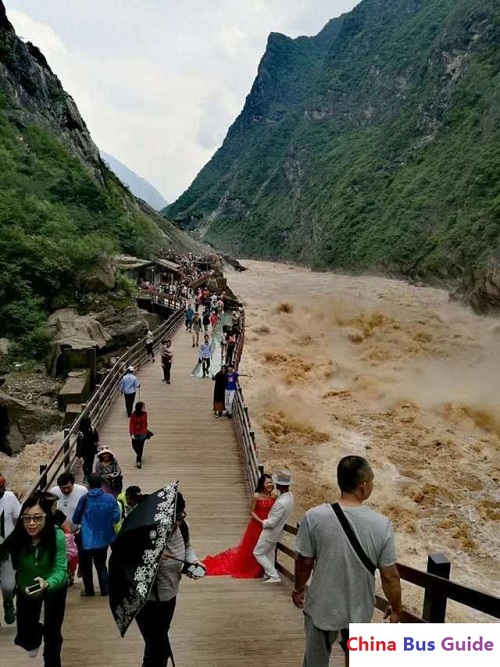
column 36, row 563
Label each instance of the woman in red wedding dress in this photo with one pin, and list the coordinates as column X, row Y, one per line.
column 239, row 562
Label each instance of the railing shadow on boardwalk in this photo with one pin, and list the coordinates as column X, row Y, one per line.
column 435, row 582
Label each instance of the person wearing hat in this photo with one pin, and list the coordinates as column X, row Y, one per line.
column 272, row 527
column 108, row 468
column 128, row 387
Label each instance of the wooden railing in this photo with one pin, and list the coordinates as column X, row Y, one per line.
column 438, row 589
column 98, row 404
column 170, row 301
column 241, row 421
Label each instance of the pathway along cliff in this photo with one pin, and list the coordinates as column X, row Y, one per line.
column 396, row 373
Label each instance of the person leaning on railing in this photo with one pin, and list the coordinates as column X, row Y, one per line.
column 355, row 541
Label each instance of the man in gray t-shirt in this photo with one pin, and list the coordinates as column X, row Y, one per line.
column 342, row 590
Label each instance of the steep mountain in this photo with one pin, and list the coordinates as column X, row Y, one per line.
column 373, row 145
column 138, row 186
column 61, row 209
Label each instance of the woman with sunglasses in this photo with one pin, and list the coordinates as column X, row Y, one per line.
column 38, row 550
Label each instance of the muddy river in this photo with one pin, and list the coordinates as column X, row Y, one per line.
column 342, row 365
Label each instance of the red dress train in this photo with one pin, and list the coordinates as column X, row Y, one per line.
column 239, row 562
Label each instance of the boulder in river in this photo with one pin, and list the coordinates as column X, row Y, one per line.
column 481, row 288
column 21, row 423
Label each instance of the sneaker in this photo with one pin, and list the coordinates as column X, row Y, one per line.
column 9, row 612
column 168, row 381
column 272, row 580
column 139, row 464
column 33, row 653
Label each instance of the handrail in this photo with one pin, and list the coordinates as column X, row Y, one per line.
column 161, row 298
column 433, row 584
column 99, row 402
column 241, row 420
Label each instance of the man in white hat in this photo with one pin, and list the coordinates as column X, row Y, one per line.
column 128, row 386
column 272, row 527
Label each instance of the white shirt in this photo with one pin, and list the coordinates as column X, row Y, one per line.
column 67, row 504
column 278, row 516
column 10, row 508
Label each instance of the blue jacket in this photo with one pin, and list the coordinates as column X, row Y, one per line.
column 97, row 512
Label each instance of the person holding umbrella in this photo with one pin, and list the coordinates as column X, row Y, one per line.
column 151, row 553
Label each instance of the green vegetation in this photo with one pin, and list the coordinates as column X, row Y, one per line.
column 371, row 146
column 56, row 220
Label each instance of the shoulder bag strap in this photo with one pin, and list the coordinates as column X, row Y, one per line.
column 351, row 536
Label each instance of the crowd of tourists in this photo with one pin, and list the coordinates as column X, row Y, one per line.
column 37, row 560
column 193, row 268
column 68, row 531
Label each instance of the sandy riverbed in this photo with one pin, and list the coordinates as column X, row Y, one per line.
column 376, row 367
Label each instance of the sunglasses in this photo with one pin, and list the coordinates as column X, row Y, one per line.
column 33, row 518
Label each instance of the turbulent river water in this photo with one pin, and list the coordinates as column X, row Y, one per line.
column 342, row 365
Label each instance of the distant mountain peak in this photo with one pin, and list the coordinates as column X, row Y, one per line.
column 139, row 186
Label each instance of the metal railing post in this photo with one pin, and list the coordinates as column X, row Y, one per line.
column 42, row 482
column 66, row 448
column 434, row 610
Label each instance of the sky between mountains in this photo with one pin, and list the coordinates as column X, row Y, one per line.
column 159, row 81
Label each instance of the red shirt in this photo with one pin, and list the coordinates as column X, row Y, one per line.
column 138, row 424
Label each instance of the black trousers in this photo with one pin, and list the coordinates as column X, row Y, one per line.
column 129, row 402
column 97, row 557
column 138, row 447
column 149, row 350
column 206, row 366
column 167, row 367
column 30, row 631
column 154, row 623
column 229, row 355
column 88, row 464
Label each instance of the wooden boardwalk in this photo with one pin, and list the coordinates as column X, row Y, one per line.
column 219, row 621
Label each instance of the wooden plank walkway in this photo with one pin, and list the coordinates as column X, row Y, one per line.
column 219, row 621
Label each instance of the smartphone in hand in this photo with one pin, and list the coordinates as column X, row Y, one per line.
column 34, row 588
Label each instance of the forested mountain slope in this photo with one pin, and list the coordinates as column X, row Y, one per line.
column 372, row 146
column 60, row 207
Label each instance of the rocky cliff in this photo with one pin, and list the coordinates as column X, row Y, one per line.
column 35, row 95
column 372, row 146
column 61, row 210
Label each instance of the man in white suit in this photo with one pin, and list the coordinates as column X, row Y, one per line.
column 272, row 527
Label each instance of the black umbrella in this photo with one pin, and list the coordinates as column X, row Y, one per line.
column 137, row 552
